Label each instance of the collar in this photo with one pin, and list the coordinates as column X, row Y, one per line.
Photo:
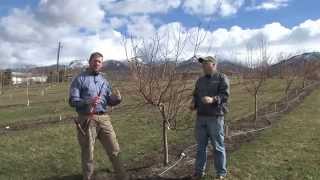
column 90, row 72
column 211, row 75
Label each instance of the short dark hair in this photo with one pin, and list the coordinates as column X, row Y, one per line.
column 95, row 55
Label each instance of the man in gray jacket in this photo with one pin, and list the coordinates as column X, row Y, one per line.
column 210, row 99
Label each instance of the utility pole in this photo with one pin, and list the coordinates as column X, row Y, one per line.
column 28, row 97
column 1, row 82
column 58, row 58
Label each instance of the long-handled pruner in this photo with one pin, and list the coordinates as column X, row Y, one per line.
column 79, row 127
column 92, row 110
column 91, row 114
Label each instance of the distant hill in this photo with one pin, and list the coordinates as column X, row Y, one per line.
column 189, row 65
column 78, row 64
column 298, row 60
column 311, row 60
column 225, row 66
column 114, row 65
column 21, row 67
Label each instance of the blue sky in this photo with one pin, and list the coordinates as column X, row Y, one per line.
column 31, row 29
column 296, row 12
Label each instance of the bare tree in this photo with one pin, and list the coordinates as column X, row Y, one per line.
column 1, row 82
column 258, row 69
column 28, row 91
column 308, row 70
column 155, row 72
column 287, row 72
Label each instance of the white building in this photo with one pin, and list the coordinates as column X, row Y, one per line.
column 20, row 78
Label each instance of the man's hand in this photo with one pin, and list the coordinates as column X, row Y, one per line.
column 117, row 94
column 208, row 99
column 94, row 101
column 192, row 106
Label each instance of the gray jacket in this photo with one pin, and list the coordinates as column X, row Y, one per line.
column 215, row 85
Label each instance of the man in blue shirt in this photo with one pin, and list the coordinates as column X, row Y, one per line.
column 210, row 100
column 91, row 94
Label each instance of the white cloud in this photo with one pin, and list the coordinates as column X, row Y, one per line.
column 27, row 37
column 140, row 26
column 79, row 13
column 269, row 5
column 134, row 7
column 280, row 39
column 233, row 41
column 275, row 31
column 230, row 7
column 31, row 36
column 212, row 7
column 116, row 22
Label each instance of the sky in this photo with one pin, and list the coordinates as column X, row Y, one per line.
column 31, row 29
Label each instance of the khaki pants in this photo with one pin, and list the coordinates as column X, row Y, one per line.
column 99, row 127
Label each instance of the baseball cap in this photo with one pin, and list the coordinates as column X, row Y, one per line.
column 207, row 59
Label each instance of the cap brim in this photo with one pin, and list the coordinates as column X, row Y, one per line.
column 201, row 60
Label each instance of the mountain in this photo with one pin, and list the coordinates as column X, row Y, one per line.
column 308, row 63
column 78, row 64
column 114, row 65
column 225, row 66
column 309, row 56
column 299, row 60
column 21, row 67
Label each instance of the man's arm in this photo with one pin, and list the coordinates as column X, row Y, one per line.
column 74, row 94
column 223, row 91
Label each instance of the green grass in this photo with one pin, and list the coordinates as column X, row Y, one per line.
column 53, row 101
column 53, row 152
column 290, row 150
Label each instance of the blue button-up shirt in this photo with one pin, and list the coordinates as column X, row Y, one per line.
column 86, row 86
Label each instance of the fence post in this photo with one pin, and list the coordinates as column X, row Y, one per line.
column 275, row 107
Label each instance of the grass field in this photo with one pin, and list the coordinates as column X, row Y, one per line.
column 52, row 152
column 290, row 150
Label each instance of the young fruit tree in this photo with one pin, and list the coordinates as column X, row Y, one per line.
column 288, row 72
column 255, row 76
column 154, row 67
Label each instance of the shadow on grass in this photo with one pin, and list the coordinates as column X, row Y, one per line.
column 79, row 177
column 69, row 177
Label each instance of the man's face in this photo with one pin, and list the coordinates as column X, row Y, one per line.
column 95, row 64
column 208, row 67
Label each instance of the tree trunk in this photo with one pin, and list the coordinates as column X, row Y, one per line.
column 165, row 143
column 256, row 107
column 28, row 100
column 1, row 83
column 303, row 82
column 287, row 99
